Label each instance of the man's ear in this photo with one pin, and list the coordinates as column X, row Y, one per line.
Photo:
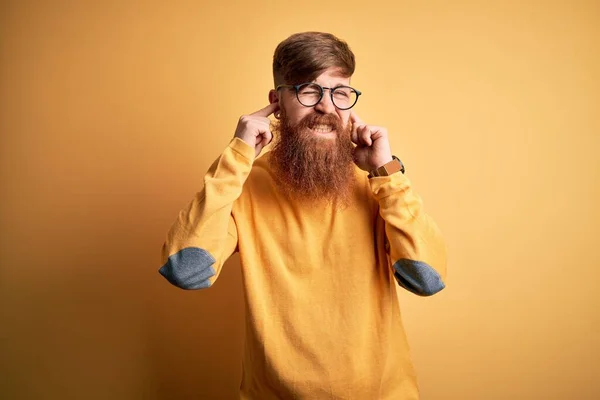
column 273, row 96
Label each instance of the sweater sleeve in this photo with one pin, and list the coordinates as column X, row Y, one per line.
column 204, row 235
column 414, row 242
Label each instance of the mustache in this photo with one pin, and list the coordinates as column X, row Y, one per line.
column 313, row 119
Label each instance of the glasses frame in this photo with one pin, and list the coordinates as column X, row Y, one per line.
column 322, row 91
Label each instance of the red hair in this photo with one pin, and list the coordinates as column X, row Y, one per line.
column 304, row 56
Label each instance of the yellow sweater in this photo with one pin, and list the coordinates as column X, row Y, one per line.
column 322, row 314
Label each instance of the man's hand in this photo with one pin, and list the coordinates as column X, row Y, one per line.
column 372, row 145
column 254, row 129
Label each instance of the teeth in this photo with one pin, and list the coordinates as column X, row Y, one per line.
column 323, row 128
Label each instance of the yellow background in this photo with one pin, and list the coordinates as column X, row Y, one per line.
column 111, row 112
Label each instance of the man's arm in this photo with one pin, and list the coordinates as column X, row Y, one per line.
column 416, row 246
column 204, row 235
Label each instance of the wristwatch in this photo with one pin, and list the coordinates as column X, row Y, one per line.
column 387, row 169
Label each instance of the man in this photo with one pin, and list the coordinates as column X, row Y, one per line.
column 327, row 227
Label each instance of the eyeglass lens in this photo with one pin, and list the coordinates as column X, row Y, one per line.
column 310, row 94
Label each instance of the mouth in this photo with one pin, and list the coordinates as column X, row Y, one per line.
column 322, row 129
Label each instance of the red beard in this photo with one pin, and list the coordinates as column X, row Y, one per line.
column 309, row 167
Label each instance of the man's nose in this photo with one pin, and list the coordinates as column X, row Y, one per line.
column 325, row 106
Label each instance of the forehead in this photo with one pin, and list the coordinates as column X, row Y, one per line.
column 331, row 77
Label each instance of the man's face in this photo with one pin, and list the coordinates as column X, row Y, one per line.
column 295, row 111
column 313, row 153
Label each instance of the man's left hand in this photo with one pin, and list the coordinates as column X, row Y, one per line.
column 372, row 145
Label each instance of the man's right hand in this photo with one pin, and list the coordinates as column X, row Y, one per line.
column 254, row 129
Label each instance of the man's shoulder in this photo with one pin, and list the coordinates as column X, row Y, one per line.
column 262, row 164
column 261, row 174
column 260, row 185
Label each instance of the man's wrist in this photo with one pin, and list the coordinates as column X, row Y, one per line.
column 392, row 166
column 242, row 148
column 382, row 162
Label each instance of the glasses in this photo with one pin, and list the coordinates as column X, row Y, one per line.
column 310, row 94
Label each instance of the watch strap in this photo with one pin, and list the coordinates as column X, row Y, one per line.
column 389, row 168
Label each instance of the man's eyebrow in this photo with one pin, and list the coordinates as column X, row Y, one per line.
column 334, row 86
